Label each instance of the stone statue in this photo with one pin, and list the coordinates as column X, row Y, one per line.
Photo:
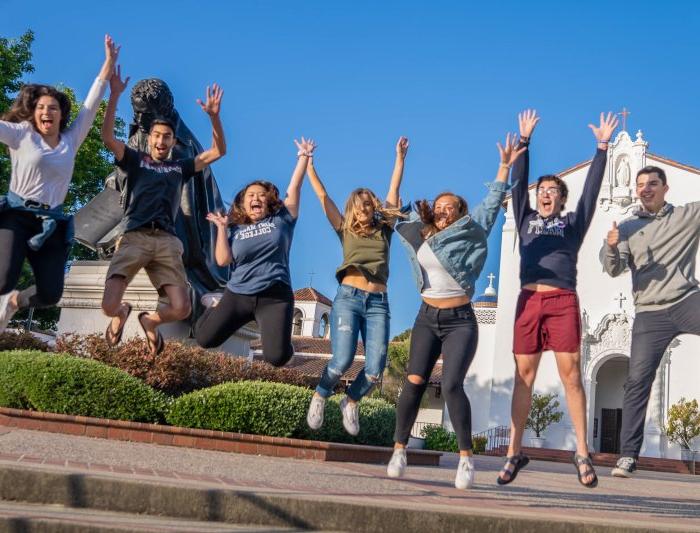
column 152, row 98
column 622, row 174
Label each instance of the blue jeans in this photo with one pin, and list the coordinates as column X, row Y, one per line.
column 357, row 312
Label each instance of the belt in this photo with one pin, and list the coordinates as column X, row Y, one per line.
column 152, row 226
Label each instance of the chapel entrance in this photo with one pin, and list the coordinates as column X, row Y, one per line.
column 609, row 394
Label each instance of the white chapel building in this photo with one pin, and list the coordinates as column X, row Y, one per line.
column 607, row 314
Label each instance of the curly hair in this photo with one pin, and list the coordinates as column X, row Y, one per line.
column 382, row 215
column 237, row 214
column 25, row 104
column 427, row 213
column 563, row 189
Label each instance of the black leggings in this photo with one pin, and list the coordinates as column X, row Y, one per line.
column 454, row 333
column 272, row 309
column 48, row 263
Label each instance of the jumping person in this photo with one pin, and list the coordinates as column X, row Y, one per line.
column 547, row 316
column 659, row 244
column 447, row 250
column 361, row 306
column 42, row 149
column 261, row 227
column 153, row 185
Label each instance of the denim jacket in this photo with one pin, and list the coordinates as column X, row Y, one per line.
column 461, row 247
column 49, row 218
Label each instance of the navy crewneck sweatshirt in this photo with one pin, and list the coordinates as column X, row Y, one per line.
column 549, row 246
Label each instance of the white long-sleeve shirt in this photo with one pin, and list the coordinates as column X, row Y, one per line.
column 42, row 173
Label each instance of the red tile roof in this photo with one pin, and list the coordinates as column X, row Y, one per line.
column 309, row 294
column 310, row 345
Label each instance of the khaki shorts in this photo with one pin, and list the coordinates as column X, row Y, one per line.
column 156, row 251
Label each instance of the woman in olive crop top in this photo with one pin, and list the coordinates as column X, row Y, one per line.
column 361, row 306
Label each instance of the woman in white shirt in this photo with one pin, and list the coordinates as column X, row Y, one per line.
column 42, row 150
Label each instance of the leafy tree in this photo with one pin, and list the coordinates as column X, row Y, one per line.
column 395, row 372
column 403, row 336
column 543, row 412
column 92, row 164
column 683, row 422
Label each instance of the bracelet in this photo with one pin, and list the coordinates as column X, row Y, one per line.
column 604, row 142
column 304, row 153
column 505, row 165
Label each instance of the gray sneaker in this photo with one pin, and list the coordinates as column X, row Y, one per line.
column 314, row 418
column 397, row 463
column 465, row 473
column 6, row 312
column 625, row 467
column 351, row 416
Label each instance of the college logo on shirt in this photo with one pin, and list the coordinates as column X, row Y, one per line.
column 254, row 230
column 550, row 227
column 162, row 168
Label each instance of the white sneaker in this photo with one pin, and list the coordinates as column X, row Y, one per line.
column 397, row 463
column 211, row 299
column 351, row 416
column 465, row 473
column 625, row 467
column 314, row 418
column 6, row 312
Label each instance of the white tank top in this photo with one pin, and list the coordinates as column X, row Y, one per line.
column 437, row 283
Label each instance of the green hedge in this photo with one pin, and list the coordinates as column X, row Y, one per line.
column 438, row 438
column 278, row 410
column 60, row 383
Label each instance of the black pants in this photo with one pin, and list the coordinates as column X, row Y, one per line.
column 454, row 333
column 272, row 309
column 652, row 332
column 48, row 263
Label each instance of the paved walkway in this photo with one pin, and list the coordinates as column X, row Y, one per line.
column 544, row 490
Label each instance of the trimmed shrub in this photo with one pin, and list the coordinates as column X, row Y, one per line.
column 60, row 383
column 479, row 444
column 438, row 438
column 278, row 410
column 180, row 368
column 21, row 340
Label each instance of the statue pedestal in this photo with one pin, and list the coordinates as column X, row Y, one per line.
column 81, row 308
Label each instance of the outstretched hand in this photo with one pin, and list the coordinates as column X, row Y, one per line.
column 305, row 147
column 527, row 120
column 219, row 220
column 607, row 126
column 510, row 152
column 212, row 105
column 111, row 50
column 116, row 84
column 402, row 147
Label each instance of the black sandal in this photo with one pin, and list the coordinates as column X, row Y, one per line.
column 580, row 460
column 518, row 461
column 153, row 348
column 115, row 337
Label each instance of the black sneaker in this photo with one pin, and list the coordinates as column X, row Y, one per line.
column 625, row 467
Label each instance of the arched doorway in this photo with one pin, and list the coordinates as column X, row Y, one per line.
column 297, row 322
column 607, row 413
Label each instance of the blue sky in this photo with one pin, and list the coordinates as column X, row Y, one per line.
column 451, row 76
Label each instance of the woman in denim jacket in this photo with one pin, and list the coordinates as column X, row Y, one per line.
column 361, row 306
column 447, row 249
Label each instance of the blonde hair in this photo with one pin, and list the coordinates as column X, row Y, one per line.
column 383, row 216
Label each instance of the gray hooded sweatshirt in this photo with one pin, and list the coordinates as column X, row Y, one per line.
column 660, row 250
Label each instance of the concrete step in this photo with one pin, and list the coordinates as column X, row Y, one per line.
column 30, row 518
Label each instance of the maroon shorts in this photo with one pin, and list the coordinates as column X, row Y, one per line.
column 548, row 320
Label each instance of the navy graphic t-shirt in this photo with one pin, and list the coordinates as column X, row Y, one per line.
column 261, row 253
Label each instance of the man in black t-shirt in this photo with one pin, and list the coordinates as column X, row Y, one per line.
column 153, row 186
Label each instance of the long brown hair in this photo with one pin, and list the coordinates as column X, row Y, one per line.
column 237, row 214
column 24, row 105
column 427, row 213
column 383, row 216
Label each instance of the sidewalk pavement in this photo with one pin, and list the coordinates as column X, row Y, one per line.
column 545, row 495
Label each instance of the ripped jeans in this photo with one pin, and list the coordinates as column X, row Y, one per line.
column 357, row 312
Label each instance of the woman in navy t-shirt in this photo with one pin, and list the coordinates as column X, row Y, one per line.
column 260, row 229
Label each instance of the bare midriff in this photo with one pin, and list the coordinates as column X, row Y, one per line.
column 447, row 303
column 354, row 278
column 540, row 287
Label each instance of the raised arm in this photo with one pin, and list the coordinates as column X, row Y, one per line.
column 327, row 204
column 392, row 197
column 527, row 120
column 306, row 150
column 212, row 107
column 587, row 202
column 486, row 212
column 222, row 250
column 116, row 88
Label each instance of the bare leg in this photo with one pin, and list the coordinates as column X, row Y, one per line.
column 569, row 366
column 112, row 304
column 179, row 308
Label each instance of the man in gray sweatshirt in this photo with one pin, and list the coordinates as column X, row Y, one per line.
column 658, row 244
